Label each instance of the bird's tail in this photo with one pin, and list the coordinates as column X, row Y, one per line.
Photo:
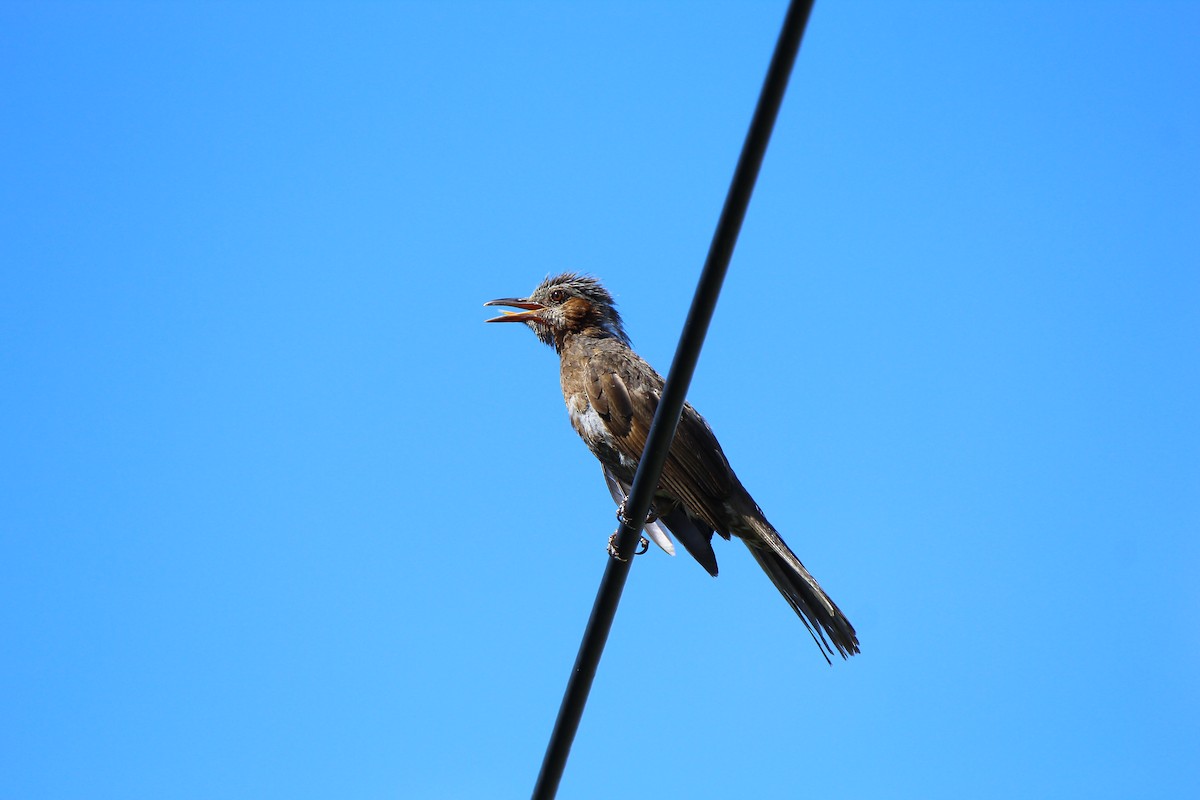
column 824, row 620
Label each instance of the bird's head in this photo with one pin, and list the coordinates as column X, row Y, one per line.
column 565, row 304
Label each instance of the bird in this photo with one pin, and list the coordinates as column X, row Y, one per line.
column 611, row 395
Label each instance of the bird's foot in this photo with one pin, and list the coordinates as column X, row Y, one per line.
column 643, row 546
column 650, row 517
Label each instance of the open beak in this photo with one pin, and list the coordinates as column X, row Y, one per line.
column 530, row 313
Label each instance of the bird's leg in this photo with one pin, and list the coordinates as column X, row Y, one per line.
column 643, row 543
column 643, row 546
column 651, row 516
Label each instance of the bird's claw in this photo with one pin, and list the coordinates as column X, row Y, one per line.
column 643, row 546
column 650, row 516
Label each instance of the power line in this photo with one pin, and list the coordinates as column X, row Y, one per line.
column 662, row 431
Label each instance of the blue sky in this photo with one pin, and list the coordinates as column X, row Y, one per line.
column 281, row 517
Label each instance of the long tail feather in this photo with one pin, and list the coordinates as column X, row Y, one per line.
column 824, row 620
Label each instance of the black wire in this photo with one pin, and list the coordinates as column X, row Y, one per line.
column 662, row 431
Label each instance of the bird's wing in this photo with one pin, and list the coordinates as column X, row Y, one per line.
column 693, row 535
column 625, row 391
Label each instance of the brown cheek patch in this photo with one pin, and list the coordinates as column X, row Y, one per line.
column 575, row 310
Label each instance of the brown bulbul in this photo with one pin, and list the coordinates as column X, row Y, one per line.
column 611, row 396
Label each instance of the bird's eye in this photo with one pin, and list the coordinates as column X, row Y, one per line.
column 557, row 296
